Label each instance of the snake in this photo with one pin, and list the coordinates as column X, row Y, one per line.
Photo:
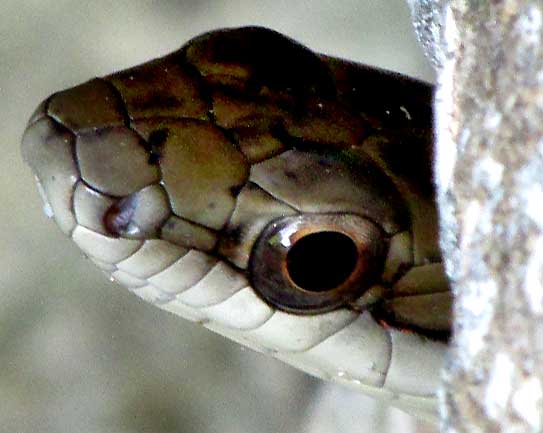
column 280, row 197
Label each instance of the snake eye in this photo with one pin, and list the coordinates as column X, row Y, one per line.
column 316, row 262
column 321, row 261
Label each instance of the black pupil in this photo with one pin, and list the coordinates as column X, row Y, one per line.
column 321, row 261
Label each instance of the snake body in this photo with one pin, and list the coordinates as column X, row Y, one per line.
column 279, row 197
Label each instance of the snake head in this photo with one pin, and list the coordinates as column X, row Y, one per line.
column 279, row 197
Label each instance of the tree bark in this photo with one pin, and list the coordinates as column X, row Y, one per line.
column 489, row 175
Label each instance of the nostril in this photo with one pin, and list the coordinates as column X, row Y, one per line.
column 118, row 220
column 139, row 215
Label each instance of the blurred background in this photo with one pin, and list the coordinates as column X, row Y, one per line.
column 80, row 354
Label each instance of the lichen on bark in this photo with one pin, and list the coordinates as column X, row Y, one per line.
column 489, row 175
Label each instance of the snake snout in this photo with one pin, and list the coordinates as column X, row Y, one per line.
column 132, row 177
column 47, row 147
column 114, row 197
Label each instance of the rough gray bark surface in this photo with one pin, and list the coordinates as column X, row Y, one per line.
column 489, row 170
column 427, row 21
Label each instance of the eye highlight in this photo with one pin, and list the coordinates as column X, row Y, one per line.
column 314, row 263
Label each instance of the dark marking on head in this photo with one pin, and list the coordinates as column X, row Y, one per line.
column 291, row 175
column 230, row 238
column 231, row 135
column 233, row 235
column 235, row 190
column 155, row 143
